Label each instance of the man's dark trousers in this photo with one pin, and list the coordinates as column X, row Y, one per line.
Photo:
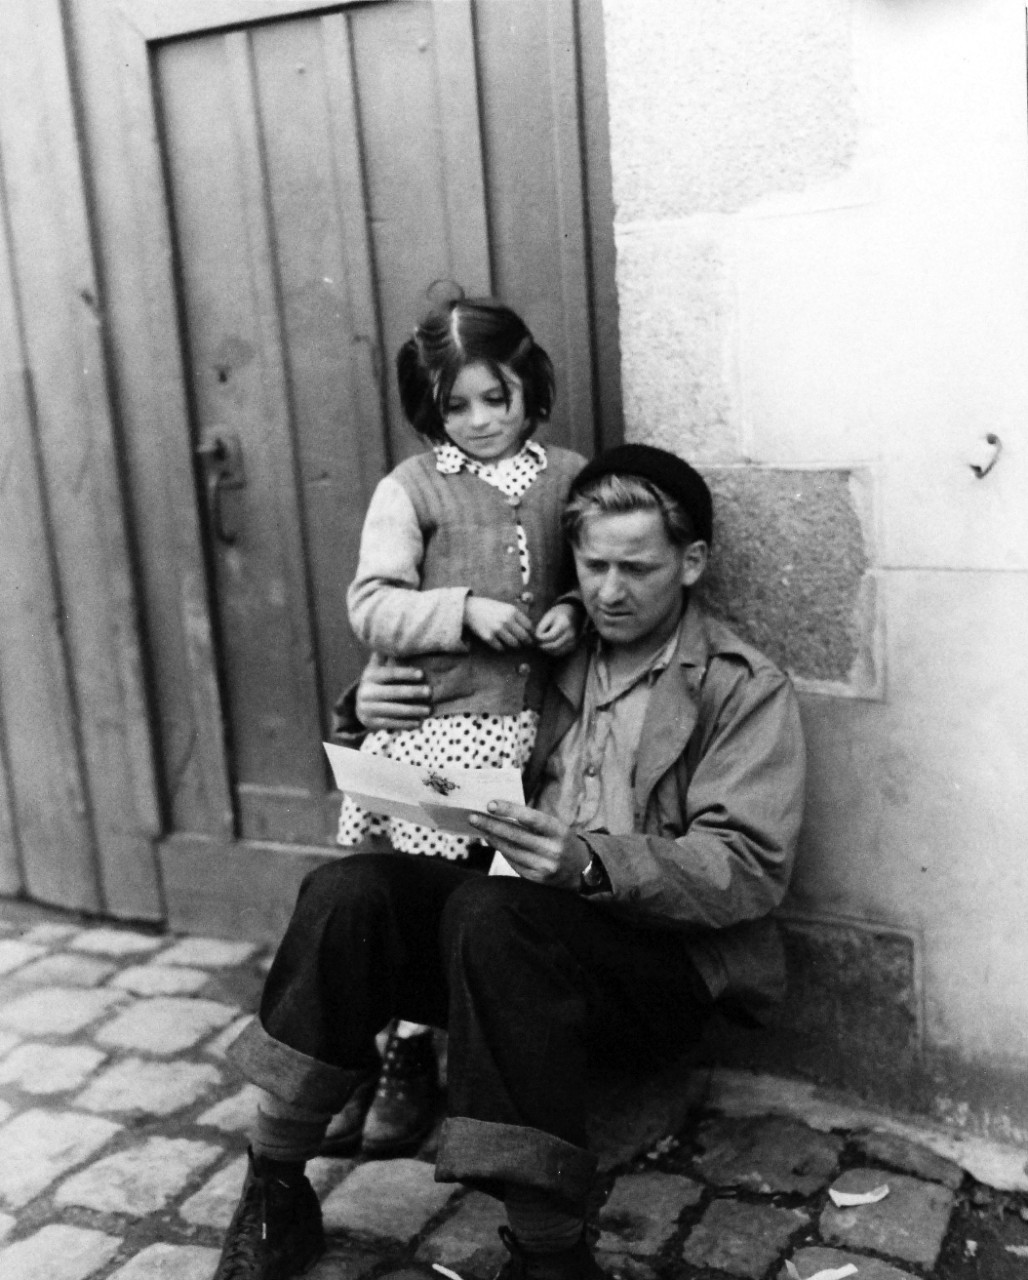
column 531, row 982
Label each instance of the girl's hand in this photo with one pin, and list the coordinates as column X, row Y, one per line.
column 499, row 625
column 537, row 845
column 557, row 632
column 392, row 697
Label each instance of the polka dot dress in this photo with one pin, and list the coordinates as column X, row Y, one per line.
column 467, row 740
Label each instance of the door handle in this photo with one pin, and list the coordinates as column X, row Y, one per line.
column 222, row 455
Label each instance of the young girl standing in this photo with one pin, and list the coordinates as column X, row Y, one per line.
column 462, row 559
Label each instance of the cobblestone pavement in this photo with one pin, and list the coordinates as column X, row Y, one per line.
column 123, row 1133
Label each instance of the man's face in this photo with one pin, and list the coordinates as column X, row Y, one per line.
column 631, row 575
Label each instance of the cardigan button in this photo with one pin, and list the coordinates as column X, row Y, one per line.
column 528, row 596
column 524, row 668
column 514, row 502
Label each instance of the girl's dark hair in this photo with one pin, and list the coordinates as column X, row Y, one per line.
column 463, row 331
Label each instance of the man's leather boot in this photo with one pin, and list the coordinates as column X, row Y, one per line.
column 576, row 1263
column 343, row 1136
column 276, row 1230
column 406, row 1101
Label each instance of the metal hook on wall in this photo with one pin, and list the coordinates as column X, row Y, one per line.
column 985, row 455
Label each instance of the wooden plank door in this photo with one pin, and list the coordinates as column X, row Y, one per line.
column 298, row 173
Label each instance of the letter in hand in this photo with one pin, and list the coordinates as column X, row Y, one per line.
column 557, row 632
column 497, row 624
column 391, row 697
column 537, row 845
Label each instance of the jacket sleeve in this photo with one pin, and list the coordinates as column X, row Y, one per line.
column 739, row 815
column 388, row 610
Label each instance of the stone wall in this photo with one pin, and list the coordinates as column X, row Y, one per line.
column 823, row 283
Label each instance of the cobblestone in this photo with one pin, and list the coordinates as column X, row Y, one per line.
column 14, row 953
column 207, row 953
column 115, row 942
column 157, row 1088
column 468, row 1240
column 234, row 1114
column 809, row 1262
column 218, row 1047
column 58, row 1252
column 215, row 1202
column 642, row 1211
column 160, row 980
column 908, row 1224
column 49, row 1068
column 388, row 1199
column 66, row 970
column 166, row 1024
column 57, row 1011
column 768, row 1154
column 742, row 1239
column 901, row 1153
column 170, row 1262
column 140, row 1179
column 133, row 1169
column 39, row 1146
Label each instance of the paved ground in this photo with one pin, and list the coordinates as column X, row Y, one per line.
column 122, row 1140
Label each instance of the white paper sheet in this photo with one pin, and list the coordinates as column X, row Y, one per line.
column 441, row 798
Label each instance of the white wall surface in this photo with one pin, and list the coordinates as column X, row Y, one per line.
column 822, row 232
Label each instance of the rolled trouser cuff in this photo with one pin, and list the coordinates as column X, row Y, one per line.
column 291, row 1075
column 482, row 1152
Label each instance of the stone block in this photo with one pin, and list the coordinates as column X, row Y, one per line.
column 160, row 980
column 901, row 1153
column 14, row 952
column 7, row 1042
column 767, row 1155
column 207, row 953
column 49, row 1068
column 140, row 1180
column 170, row 1262
column 115, row 942
column 712, row 108
column 742, row 1239
column 57, row 1011
column 58, row 1252
column 67, row 969
column 7, row 1224
column 468, row 1240
column 789, row 570
column 642, row 1211
column 676, row 302
column 234, row 1114
column 41, row 1146
column 908, row 1224
column 809, row 1262
column 214, row 1204
column 166, row 1024
column 155, row 1088
column 388, row 1200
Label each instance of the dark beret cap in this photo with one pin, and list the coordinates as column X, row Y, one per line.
column 665, row 471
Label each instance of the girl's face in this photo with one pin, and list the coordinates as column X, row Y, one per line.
column 478, row 417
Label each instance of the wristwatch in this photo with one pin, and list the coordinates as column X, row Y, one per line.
column 594, row 878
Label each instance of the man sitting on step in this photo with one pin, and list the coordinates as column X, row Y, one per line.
column 666, row 789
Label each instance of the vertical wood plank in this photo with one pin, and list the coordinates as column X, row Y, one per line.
column 463, row 173
column 51, row 854
column 56, row 282
column 604, row 329
column 140, row 264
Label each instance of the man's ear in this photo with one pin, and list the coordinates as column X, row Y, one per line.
column 694, row 562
